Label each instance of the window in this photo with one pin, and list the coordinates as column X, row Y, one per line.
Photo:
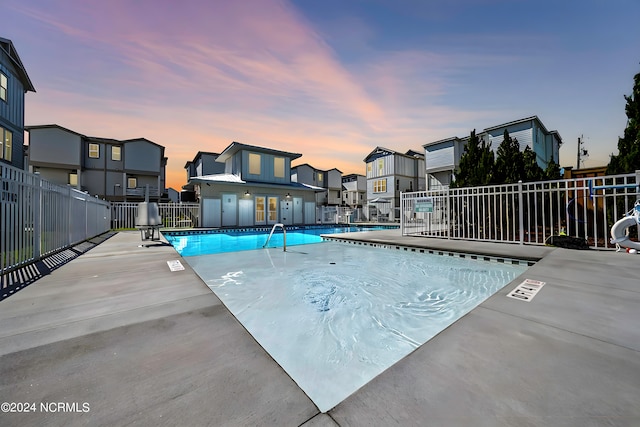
column 369, row 167
column 6, row 144
column 94, row 151
column 380, row 166
column 319, row 177
column 397, row 185
column 278, row 167
column 132, row 182
column 116, row 153
column 3, row 86
column 380, row 186
column 254, row 164
column 73, row 179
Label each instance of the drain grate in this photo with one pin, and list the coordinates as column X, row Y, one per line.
column 526, row 290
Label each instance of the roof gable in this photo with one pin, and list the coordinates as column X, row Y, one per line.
column 7, row 46
column 235, row 147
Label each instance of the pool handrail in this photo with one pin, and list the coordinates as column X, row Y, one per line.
column 284, row 231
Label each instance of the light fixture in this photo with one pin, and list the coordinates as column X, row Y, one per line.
column 246, row 193
column 288, row 196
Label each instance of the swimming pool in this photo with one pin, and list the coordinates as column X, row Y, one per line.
column 336, row 315
column 218, row 241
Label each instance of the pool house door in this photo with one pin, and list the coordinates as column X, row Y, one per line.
column 261, row 218
column 286, row 212
column 272, row 210
column 297, row 210
column 229, row 210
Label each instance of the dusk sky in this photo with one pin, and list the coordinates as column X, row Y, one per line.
column 329, row 79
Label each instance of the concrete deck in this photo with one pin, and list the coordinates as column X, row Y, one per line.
column 140, row 345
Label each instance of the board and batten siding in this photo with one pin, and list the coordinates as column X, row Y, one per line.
column 12, row 111
column 387, row 167
column 406, row 166
column 267, row 173
column 55, row 146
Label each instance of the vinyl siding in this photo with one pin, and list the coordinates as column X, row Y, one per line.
column 440, row 156
column 55, row 146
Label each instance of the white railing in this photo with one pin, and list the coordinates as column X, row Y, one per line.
column 38, row 218
column 524, row 213
column 174, row 215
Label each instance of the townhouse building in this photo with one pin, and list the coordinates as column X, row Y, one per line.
column 354, row 190
column 442, row 157
column 328, row 183
column 111, row 169
column 390, row 173
column 14, row 84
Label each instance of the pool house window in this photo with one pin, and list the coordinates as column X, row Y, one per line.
column 254, row 163
column 278, row 167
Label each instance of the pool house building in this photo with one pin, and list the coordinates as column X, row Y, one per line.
column 254, row 190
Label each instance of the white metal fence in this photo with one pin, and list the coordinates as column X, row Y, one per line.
column 174, row 215
column 525, row 213
column 38, row 218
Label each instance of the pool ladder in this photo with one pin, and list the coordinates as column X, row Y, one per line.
column 271, row 234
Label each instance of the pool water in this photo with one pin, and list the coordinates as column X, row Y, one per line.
column 336, row 315
column 234, row 241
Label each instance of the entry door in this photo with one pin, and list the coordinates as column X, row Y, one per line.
column 272, row 210
column 229, row 208
column 261, row 218
column 297, row 210
column 286, row 212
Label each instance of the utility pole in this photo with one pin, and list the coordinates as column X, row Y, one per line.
column 581, row 152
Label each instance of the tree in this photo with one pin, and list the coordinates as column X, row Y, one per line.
column 476, row 164
column 532, row 171
column 628, row 158
column 509, row 166
column 552, row 171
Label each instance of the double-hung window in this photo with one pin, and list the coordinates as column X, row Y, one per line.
column 94, row 151
column 4, row 82
column 6, row 144
column 380, row 186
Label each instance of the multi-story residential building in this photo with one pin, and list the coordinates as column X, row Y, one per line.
column 330, row 181
column 442, row 157
column 354, row 190
column 107, row 168
column 255, row 189
column 14, row 83
column 390, row 173
column 204, row 163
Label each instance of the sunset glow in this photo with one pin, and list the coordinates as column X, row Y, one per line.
column 331, row 80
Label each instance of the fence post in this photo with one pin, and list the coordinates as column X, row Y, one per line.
column 37, row 218
column 520, row 212
column 449, row 214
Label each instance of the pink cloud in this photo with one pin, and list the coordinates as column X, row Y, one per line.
column 196, row 76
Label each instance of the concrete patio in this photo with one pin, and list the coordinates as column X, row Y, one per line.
column 123, row 340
